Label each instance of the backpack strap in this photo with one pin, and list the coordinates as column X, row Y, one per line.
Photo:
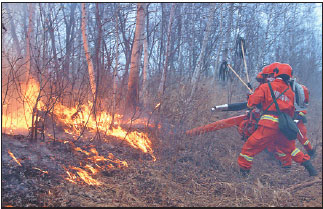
column 274, row 98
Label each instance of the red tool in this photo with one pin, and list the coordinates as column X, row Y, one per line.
column 220, row 124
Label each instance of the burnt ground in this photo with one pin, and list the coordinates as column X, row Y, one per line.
column 189, row 171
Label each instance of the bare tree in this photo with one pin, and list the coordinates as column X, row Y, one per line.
column 161, row 88
column 132, row 98
column 29, row 39
column 87, row 52
column 198, row 68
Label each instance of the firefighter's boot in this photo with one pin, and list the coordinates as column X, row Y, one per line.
column 244, row 172
column 311, row 153
column 309, row 167
column 287, row 168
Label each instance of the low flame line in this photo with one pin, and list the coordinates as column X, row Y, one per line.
column 13, row 157
column 40, row 170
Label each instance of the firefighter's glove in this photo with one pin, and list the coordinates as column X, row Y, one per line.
column 249, row 85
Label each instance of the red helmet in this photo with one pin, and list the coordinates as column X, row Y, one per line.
column 306, row 93
column 283, row 68
column 265, row 70
column 270, row 68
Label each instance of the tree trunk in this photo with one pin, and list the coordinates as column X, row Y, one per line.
column 199, row 65
column 219, row 49
column 145, row 82
column 28, row 40
column 132, row 98
column 115, row 70
column 87, row 53
column 70, row 28
column 161, row 88
column 52, row 38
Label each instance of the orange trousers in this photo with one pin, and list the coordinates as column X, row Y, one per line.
column 272, row 138
column 285, row 159
column 304, row 140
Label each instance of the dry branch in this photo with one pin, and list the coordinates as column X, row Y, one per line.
column 306, row 184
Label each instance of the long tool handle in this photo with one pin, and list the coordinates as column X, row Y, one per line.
column 240, row 78
column 244, row 61
column 230, row 107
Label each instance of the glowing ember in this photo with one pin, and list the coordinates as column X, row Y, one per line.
column 157, row 105
column 13, row 157
column 40, row 170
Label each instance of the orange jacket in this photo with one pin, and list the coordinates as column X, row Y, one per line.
column 263, row 96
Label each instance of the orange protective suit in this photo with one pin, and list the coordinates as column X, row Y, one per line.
column 268, row 133
column 302, row 138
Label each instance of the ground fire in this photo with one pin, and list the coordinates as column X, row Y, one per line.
column 17, row 119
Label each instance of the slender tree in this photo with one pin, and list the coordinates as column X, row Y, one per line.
column 87, row 52
column 132, row 98
column 162, row 84
column 198, row 68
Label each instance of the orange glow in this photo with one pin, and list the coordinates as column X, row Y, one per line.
column 85, row 173
column 86, row 177
column 75, row 120
column 17, row 116
column 157, row 105
column 40, row 170
column 17, row 119
column 13, row 157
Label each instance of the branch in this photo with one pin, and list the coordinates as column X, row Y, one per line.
column 306, row 184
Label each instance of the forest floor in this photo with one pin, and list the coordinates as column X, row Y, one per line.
column 188, row 171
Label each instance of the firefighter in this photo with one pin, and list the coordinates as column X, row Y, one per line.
column 267, row 132
column 247, row 127
column 301, row 101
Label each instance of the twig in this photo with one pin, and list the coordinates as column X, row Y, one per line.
column 306, row 184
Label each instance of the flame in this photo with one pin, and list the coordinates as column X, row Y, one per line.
column 40, row 170
column 13, row 157
column 18, row 121
column 17, row 117
column 157, row 105
column 86, row 173
column 86, row 177
column 75, row 120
